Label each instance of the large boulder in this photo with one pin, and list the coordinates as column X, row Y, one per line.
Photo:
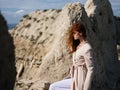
column 41, row 51
column 102, row 21
column 7, row 58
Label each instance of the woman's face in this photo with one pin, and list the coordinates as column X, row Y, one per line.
column 76, row 35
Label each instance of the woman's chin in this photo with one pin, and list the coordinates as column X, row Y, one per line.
column 75, row 38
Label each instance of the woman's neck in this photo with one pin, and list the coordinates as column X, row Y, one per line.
column 82, row 40
column 81, row 44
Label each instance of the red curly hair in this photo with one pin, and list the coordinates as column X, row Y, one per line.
column 79, row 27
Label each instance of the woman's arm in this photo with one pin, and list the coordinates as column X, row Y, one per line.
column 72, row 71
column 89, row 64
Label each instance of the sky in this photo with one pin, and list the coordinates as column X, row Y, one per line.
column 13, row 10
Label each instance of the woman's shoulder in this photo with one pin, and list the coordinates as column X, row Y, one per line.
column 87, row 47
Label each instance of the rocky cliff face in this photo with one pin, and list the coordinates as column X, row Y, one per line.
column 41, row 50
column 7, row 58
column 42, row 53
column 103, row 25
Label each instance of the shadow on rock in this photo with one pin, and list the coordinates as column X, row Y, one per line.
column 7, row 58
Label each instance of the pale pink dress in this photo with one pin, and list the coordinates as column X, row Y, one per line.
column 83, row 69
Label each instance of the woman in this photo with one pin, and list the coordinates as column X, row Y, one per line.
column 82, row 68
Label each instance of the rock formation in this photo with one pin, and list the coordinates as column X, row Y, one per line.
column 103, row 24
column 41, row 51
column 7, row 58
